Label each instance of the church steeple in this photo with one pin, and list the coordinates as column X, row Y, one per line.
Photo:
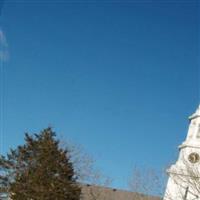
column 187, row 167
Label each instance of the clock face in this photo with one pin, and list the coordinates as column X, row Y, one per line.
column 193, row 157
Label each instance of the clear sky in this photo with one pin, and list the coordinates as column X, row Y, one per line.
column 118, row 77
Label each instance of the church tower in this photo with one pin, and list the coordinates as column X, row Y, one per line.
column 184, row 175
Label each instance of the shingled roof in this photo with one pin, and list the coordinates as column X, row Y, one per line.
column 90, row 192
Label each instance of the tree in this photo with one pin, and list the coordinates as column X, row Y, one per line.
column 39, row 170
column 96, row 189
column 92, row 179
column 145, row 181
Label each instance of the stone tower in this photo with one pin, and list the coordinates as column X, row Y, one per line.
column 184, row 175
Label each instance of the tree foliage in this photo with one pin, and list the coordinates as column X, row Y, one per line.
column 39, row 170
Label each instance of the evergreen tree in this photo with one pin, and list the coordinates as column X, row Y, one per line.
column 39, row 170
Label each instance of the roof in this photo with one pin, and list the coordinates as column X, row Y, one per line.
column 91, row 192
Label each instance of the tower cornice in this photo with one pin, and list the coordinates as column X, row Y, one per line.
column 185, row 144
column 196, row 114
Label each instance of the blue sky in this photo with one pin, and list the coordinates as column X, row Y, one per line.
column 118, row 77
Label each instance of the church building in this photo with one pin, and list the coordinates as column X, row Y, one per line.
column 184, row 175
